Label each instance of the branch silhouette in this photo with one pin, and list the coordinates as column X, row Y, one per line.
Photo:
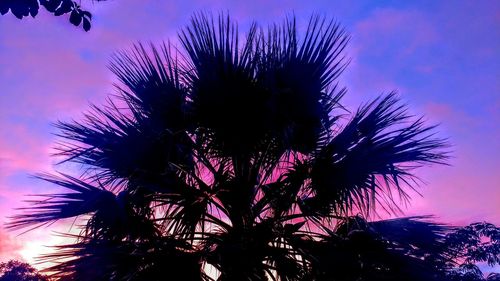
column 25, row 8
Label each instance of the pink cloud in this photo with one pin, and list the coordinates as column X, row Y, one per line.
column 377, row 32
column 392, row 36
column 8, row 246
column 469, row 189
column 21, row 149
column 449, row 116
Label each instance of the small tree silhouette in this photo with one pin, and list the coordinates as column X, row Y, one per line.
column 19, row 271
column 235, row 160
column 470, row 245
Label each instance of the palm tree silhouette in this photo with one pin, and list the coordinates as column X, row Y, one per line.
column 235, row 160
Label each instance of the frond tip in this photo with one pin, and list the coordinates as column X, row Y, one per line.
column 84, row 199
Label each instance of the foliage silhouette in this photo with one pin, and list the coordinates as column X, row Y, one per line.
column 25, row 8
column 19, row 271
column 473, row 244
column 238, row 156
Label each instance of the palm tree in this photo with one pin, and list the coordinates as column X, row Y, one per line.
column 235, row 160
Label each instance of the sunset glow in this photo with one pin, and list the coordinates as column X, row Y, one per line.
column 441, row 56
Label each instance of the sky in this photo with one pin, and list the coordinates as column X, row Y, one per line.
column 443, row 58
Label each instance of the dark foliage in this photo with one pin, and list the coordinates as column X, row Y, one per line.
column 473, row 244
column 19, row 271
column 25, row 8
column 238, row 156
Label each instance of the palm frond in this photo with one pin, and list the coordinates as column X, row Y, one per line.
column 140, row 141
column 84, row 199
column 298, row 75
column 415, row 234
column 227, row 105
column 120, row 147
column 363, row 254
column 153, row 86
column 372, row 157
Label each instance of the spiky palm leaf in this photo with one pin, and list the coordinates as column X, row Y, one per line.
column 84, row 199
column 372, row 157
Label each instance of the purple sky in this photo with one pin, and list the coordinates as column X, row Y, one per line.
column 442, row 56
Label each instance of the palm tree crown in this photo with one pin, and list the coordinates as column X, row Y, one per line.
column 237, row 156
